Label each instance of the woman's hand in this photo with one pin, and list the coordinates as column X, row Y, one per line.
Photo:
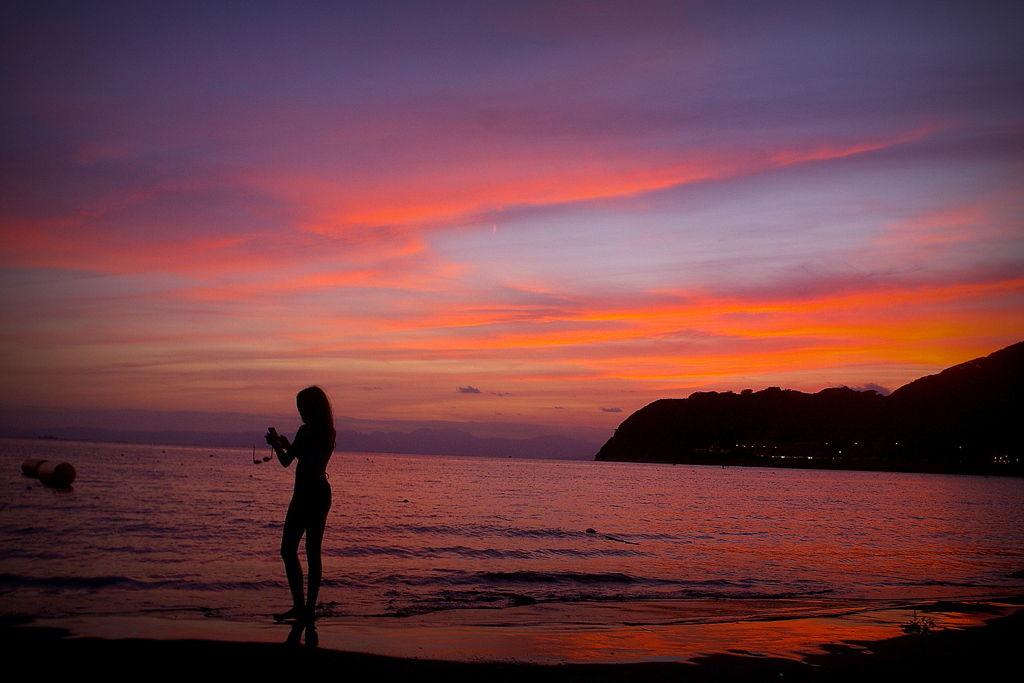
column 277, row 440
column 281, row 446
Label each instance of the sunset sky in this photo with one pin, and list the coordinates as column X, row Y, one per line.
column 540, row 213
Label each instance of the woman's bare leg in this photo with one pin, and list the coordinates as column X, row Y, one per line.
column 293, row 529
column 314, row 544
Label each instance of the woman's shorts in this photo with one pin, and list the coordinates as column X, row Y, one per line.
column 310, row 503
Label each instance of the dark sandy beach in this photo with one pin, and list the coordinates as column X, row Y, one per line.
column 973, row 653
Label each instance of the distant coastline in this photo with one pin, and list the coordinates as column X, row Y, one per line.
column 963, row 420
column 418, row 442
column 874, row 464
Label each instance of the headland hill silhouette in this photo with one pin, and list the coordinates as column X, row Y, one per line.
column 965, row 420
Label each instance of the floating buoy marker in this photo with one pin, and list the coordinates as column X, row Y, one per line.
column 58, row 475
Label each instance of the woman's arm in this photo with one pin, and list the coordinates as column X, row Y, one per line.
column 281, row 447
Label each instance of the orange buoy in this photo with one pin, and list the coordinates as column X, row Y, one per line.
column 59, row 475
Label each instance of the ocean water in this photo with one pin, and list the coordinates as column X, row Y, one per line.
column 151, row 530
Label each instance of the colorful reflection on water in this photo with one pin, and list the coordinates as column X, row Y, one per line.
column 178, row 531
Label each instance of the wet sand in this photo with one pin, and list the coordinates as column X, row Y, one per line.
column 969, row 641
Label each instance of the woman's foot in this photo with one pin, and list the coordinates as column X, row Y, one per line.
column 294, row 614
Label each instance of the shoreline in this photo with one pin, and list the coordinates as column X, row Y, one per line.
column 945, row 654
column 1013, row 470
column 798, row 462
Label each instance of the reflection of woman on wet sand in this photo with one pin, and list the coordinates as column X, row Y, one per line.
column 307, row 512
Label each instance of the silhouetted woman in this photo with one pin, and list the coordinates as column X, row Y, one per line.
column 307, row 512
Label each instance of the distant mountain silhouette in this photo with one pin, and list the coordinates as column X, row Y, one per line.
column 964, row 419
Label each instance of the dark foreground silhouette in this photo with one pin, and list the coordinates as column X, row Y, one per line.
column 965, row 419
column 973, row 654
column 311, row 498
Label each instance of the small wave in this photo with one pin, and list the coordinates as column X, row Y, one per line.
column 952, row 584
column 457, row 551
column 459, row 531
column 462, row 578
column 557, row 577
column 96, row 582
column 603, row 552
column 25, row 530
column 411, row 605
column 451, row 600
column 15, row 581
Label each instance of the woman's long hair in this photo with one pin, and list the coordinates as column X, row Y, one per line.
column 315, row 411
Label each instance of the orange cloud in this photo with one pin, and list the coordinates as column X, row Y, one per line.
column 374, row 224
column 452, row 198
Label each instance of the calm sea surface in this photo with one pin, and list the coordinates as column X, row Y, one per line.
column 151, row 529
